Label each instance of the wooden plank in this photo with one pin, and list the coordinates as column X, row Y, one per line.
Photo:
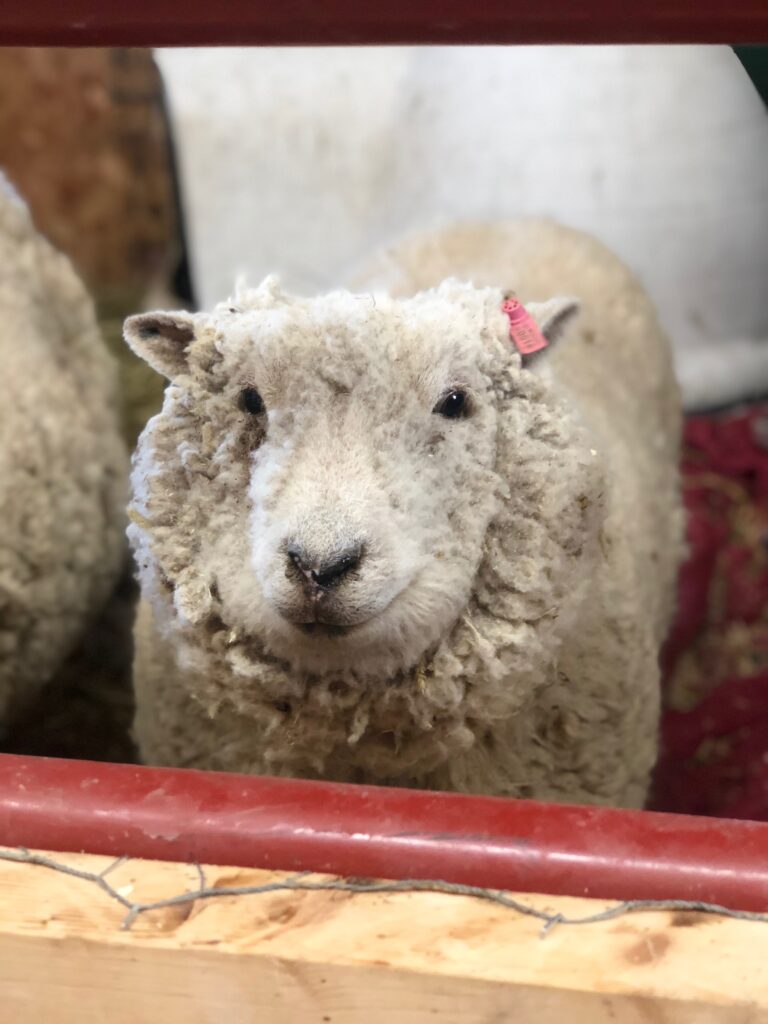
column 342, row 958
column 348, row 22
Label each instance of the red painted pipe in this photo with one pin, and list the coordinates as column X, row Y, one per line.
column 283, row 824
column 349, row 22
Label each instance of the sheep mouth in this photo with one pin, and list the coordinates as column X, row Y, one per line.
column 326, row 629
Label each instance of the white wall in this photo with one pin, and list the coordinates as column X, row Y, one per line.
column 302, row 161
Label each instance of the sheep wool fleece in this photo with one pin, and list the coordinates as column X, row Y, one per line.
column 63, row 466
column 515, row 526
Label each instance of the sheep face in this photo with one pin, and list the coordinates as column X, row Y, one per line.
column 322, row 478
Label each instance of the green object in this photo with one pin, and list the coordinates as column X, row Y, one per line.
column 755, row 61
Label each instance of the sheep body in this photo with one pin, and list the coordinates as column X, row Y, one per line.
column 542, row 534
column 63, row 467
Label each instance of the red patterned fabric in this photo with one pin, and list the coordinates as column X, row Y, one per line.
column 715, row 724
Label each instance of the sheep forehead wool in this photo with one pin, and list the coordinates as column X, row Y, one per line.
column 477, row 533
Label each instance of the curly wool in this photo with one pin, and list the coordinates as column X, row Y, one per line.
column 546, row 684
column 63, row 467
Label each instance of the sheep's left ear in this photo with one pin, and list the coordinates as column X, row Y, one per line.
column 162, row 340
column 553, row 317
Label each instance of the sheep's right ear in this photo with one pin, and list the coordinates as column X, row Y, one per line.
column 162, row 340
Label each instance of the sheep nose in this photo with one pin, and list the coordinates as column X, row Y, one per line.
column 318, row 574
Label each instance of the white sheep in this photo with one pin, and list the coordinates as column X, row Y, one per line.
column 373, row 546
column 63, row 466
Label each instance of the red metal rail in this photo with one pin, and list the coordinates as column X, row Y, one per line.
column 363, row 831
column 350, row 22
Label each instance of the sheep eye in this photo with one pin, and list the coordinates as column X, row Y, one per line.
column 454, row 405
column 252, row 401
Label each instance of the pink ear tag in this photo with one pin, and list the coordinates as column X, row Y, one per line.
column 523, row 329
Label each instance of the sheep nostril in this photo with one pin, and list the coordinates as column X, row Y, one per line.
column 298, row 559
column 317, row 574
column 332, row 573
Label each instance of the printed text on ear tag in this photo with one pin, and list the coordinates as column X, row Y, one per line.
column 523, row 329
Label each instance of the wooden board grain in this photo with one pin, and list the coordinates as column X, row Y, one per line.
column 342, row 958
